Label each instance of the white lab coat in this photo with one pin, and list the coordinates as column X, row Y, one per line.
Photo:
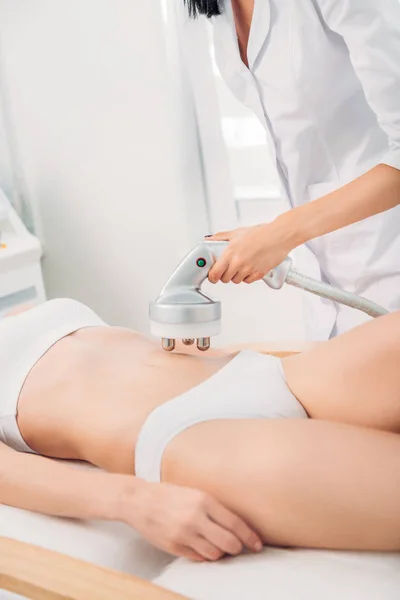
column 324, row 80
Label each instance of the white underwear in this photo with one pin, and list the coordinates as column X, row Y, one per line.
column 251, row 386
column 24, row 339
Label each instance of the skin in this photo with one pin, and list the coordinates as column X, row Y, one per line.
column 86, row 399
column 243, row 13
column 309, row 483
column 254, row 251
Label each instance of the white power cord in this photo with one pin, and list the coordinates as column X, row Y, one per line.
column 325, row 290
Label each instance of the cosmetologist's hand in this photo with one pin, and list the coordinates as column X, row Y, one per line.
column 251, row 254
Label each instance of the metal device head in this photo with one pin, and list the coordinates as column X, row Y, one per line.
column 182, row 310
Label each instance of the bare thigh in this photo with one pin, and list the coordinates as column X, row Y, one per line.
column 303, row 483
column 354, row 378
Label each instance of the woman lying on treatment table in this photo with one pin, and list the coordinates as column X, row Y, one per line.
column 234, row 427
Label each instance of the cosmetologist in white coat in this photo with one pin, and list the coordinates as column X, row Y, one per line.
column 323, row 77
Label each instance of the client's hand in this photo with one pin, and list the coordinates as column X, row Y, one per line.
column 186, row 522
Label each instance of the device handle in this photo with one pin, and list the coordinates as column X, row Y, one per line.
column 191, row 273
column 195, row 267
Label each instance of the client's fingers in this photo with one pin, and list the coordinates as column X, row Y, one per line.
column 187, row 552
column 221, row 538
column 224, row 517
column 206, row 549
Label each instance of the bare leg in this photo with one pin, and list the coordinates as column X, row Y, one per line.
column 354, row 378
column 304, row 483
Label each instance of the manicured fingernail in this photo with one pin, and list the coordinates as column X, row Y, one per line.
column 210, row 235
column 258, row 546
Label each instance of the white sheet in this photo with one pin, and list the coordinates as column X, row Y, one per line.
column 111, row 545
column 288, row 575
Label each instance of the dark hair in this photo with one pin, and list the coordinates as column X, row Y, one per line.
column 210, row 8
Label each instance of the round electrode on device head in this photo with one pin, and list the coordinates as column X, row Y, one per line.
column 203, row 344
column 168, row 344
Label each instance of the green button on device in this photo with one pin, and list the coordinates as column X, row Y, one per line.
column 201, row 262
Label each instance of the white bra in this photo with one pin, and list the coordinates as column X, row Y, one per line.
column 24, row 339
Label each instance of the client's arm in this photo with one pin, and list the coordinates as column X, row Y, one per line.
column 50, row 487
column 17, row 310
column 178, row 520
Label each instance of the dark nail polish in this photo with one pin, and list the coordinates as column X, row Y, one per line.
column 210, row 235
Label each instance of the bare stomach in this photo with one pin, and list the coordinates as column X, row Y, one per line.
column 89, row 395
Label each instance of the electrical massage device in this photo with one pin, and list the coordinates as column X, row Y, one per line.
column 182, row 311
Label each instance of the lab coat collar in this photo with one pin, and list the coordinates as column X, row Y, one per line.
column 259, row 30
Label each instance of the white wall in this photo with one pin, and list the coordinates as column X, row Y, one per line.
column 88, row 89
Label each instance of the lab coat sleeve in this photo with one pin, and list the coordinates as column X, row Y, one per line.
column 371, row 31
